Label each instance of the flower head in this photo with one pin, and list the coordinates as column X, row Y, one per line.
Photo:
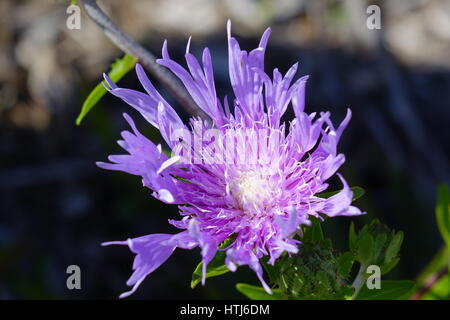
column 243, row 175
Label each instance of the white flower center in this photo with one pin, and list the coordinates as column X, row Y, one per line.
column 253, row 188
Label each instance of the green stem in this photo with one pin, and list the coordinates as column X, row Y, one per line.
column 130, row 46
column 359, row 280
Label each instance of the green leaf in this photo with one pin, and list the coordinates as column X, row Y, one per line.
column 345, row 263
column 380, row 242
column 440, row 290
column 394, row 247
column 390, row 290
column 314, row 232
column 215, row 268
column 258, row 293
column 118, row 69
column 387, row 267
column 358, row 192
column 317, row 233
column 443, row 212
column 440, row 260
column 366, row 249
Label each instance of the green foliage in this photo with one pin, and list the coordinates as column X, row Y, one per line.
column 440, row 290
column 118, row 70
column 314, row 233
column 366, row 250
column 443, row 213
column 316, row 273
column 441, row 261
column 389, row 290
column 345, row 263
column 320, row 272
column 375, row 244
column 215, row 268
column 258, row 293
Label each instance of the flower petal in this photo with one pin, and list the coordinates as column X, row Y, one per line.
column 339, row 204
column 150, row 254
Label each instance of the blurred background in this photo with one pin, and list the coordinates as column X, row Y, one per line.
column 56, row 206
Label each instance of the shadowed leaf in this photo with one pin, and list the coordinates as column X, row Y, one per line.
column 118, row 70
column 390, row 290
column 258, row 293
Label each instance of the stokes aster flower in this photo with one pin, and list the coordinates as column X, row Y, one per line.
column 252, row 180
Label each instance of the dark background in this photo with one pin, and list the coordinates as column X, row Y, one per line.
column 56, row 206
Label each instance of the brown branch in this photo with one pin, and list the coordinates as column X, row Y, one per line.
column 128, row 45
column 429, row 283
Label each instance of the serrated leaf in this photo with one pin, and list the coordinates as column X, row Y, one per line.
column 443, row 212
column 366, row 249
column 358, row 192
column 387, row 267
column 345, row 263
column 380, row 242
column 215, row 268
column 258, row 293
column 118, row 69
column 393, row 247
column 390, row 290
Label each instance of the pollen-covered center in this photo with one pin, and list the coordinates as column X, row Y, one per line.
column 252, row 188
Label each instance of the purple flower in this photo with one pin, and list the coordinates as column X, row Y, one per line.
column 243, row 175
